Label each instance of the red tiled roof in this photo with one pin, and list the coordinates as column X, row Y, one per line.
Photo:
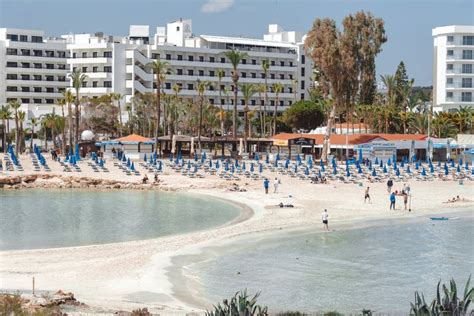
column 352, row 139
column 395, row 137
column 133, row 138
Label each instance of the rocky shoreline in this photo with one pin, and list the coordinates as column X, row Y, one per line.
column 55, row 181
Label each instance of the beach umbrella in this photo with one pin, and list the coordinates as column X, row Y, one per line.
column 244, row 167
column 226, row 166
column 160, row 165
column 204, row 156
column 397, row 172
column 180, row 155
column 321, row 163
column 65, row 159
column 260, row 168
column 439, row 163
column 132, row 167
column 395, row 166
column 348, row 174
column 267, row 158
column 189, row 164
column 210, row 163
column 306, row 171
column 170, row 157
column 144, row 157
column 446, row 172
column 287, row 163
column 374, row 174
column 217, row 164
column 452, row 163
column 310, row 163
column 460, row 161
column 385, row 169
column 381, row 163
column 389, row 162
column 423, row 172
column 359, row 169
column 232, row 169
column 251, row 167
column 257, row 157
column 334, row 170
column 296, row 168
column 128, row 162
column 431, row 168
column 278, row 156
column 319, row 173
column 152, row 160
column 176, row 161
column 417, row 165
column 376, row 160
column 408, row 170
column 360, row 155
column 466, row 166
column 458, row 169
column 195, row 168
column 472, row 171
column 124, row 159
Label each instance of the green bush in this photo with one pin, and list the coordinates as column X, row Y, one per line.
column 239, row 305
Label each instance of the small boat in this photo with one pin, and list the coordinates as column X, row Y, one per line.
column 442, row 218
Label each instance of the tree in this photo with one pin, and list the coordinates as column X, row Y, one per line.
column 463, row 118
column 277, row 89
column 62, row 103
column 5, row 115
column 201, row 89
column 248, row 90
column 390, row 84
column 15, row 105
column 442, row 126
column 78, row 81
column 220, row 75
column 265, row 68
column 68, row 100
column 401, row 81
column 304, row 115
column 33, row 122
column 160, row 69
column 117, row 97
column 345, row 61
column 261, row 88
column 235, row 58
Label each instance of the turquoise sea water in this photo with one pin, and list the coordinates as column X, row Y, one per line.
column 32, row 219
column 376, row 268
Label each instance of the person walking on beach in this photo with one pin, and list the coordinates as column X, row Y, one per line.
column 276, row 182
column 266, row 185
column 392, row 200
column 389, row 185
column 325, row 217
column 367, row 195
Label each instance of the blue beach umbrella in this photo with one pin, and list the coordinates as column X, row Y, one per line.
column 417, row 165
column 321, row 163
column 210, row 163
column 381, row 163
column 296, row 168
column 217, row 164
column 334, row 170
column 319, row 173
column 446, row 172
column 460, row 161
column 257, row 157
column 195, row 168
column 408, row 170
column 466, row 166
column 395, row 166
column 323, row 168
column 472, row 171
column 385, row 169
column 389, row 162
column 195, row 157
column 287, row 163
column 232, row 168
column 348, row 174
column 226, row 166
column 278, row 156
column 306, row 171
column 397, row 172
column 160, row 165
column 128, row 162
column 452, row 163
column 124, row 159
column 251, row 167
column 244, row 166
column 423, row 172
column 360, row 155
column 376, row 160
column 132, row 167
column 144, row 157
column 439, row 163
column 374, row 173
column 260, row 168
column 359, row 169
column 458, row 169
column 189, row 164
column 267, row 158
column 310, row 163
column 431, row 169
column 204, row 156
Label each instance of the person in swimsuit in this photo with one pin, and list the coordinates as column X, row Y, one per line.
column 367, row 195
column 325, row 217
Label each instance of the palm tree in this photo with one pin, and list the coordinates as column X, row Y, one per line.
column 265, row 68
column 443, row 126
column 78, row 81
column 277, row 88
column 261, row 88
column 406, row 93
column 463, row 117
column 21, row 119
column 174, row 115
column 160, row 69
column 15, row 105
column 68, row 100
column 235, row 57
column 5, row 115
column 390, row 85
column 117, row 97
column 61, row 103
column 201, row 89
column 220, row 75
column 33, row 122
column 248, row 90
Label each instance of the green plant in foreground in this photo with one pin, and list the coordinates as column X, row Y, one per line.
column 239, row 304
column 449, row 304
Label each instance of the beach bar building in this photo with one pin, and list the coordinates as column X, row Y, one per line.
column 348, row 146
column 133, row 146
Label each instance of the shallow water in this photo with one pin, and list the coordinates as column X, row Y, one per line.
column 376, row 268
column 33, row 219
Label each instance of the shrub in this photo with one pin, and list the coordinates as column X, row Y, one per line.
column 239, row 304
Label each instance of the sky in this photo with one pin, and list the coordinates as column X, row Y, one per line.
column 408, row 24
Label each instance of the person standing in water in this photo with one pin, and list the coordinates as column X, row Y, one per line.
column 325, row 217
column 392, row 201
column 266, row 184
column 276, row 182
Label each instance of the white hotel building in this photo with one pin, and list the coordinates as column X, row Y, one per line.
column 453, row 67
column 118, row 64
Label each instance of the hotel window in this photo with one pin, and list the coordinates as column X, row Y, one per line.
column 12, row 37
column 450, row 39
column 222, row 60
column 37, row 89
column 25, row 89
column 468, row 40
column 108, row 84
column 74, row 55
column 272, row 63
column 37, row 39
column 282, row 103
column 211, row 101
column 253, row 75
column 61, row 90
column 49, row 78
column 302, row 85
column 49, row 53
column 167, row 85
column 84, row 69
column 25, row 65
column 211, row 59
column 282, row 76
column 467, row 82
column 211, row 73
column 25, row 52
column 254, row 61
column 155, row 56
column 291, row 64
column 37, row 77
column 190, row 72
column 467, row 54
column 222, row 87
column 272, row 76
column 84, row 54
column 38, row 53
column 179, row 72
column 38, row 65
column 25, row 100
column 180, row 57
column 23, row 38
column 252, row 102
column 12, row 51
column 466, row 97
column 61, row 54
column 282, row 63
column 201, row 58
column 244, row 61
column 290, row 102
column 272, row 102
column 449, row 80
column 12, row 76
column 108, row 54
column 242, row 102
column 190, row 86
column 290, row 76
column 450, row 52
column 94, row 54
column 37, row 101
column 49, row 101
column 303, row 59
column 200, row 72
column 94, row 84
column 62, row 78
column 302, row 71
column 12, row 89
column 244, row 75
column 95, row 69
column 449, row 66
column 290, row 90
column 302, row 96
column 62, row 66
column 50, row 90
column 25, row 77
column 190, row 58
column 49, row 66
column 222, row 101
column 12, row 64
column 467, row 68
column 84, row 84
column 107, row 68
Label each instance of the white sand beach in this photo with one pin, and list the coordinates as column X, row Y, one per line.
column 128, row 275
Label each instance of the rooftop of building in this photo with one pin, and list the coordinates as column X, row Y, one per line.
column 352, row 139
column 451, row 29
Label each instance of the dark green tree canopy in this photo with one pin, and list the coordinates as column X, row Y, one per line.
column 304, row 115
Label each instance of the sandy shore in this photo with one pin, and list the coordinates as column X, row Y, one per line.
column 124, row 276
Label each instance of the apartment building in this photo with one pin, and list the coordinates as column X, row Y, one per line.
column 33, row 69
column 453, row 64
